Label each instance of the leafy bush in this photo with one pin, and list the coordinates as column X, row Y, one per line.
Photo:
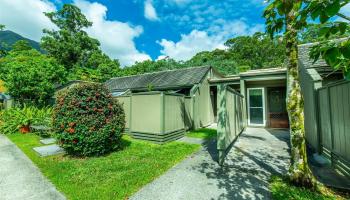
column 13, row 119
column 87, row 120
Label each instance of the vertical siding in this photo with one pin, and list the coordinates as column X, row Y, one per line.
column 125, row 101
column 188, row 117
column 203, row 110
column 230, row 119
column 174, row 113
column 324, row 112
column 146, row 113
column 334, row 111
column 310, row 107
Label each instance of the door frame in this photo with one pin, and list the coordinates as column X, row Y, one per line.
column 263, row 106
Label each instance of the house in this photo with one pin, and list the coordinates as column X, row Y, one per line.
column 161, row 106
column 265, row 92
column 196, row 90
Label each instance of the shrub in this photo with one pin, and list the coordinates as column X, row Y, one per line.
column 87, row 120
column 16, row 119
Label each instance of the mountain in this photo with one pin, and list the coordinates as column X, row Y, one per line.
column 8, row 38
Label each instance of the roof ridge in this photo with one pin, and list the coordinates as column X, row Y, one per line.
column 169, row 70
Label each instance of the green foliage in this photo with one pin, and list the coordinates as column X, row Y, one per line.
column 312, row 33
column 335, row 53
column 11, row 120
column 88, row 121
column 257, row 51
column 70, row 44
column 72, row 47
column 222, row 60
column 29, row 75
column 2, row 27
column 281, row 190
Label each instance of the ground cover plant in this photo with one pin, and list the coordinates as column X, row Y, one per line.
column 281, row 189
column 114, row 176
column 202, row 133
column 87, row 121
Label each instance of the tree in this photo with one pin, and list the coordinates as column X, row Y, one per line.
column 282, row 15
column 311, row 33
column 70, row 44
column 257, row 51
column 29, row 75
column 2, row 27
column 335, row 52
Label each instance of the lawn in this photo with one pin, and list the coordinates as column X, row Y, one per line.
column 203, row 133
column 282, row 190
column 114, row 176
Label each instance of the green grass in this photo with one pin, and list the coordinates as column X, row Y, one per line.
column 114, row 176
column 282, row 190
column 203, row 133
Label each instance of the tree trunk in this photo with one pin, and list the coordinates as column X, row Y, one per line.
column 299, row 171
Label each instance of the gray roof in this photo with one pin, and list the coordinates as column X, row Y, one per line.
column 185, row 77
column 304, row 57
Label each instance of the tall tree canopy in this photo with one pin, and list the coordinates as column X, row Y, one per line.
column 70, row 44
column 29, row 75
column 257, row 51
column 72, row 47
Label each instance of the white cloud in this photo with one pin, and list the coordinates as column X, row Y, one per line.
column 150, row 11
column 213, row 38
column 26, row 17
column 116, row 38
column 189, row 45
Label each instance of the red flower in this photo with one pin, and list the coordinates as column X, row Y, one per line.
column 62, row 125
column 71, row 130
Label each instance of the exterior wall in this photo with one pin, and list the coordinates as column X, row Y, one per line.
column 265, row 85
column 310, row 82
column 174, row 113
column 146, row 113
column 334, row 124
column 126, row 102
column 188, row 115
column 155, row 116
column 231, row 121
column 202, row 106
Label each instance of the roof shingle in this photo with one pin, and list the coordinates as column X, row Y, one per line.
column 163, row 79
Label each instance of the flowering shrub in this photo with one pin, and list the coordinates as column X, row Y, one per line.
column 87, row 120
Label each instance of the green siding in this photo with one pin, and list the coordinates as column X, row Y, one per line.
column 231, row 121
column 125, row 101
column 310, row 82
column 334, row 124
column 202, row 106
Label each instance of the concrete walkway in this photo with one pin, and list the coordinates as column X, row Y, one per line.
column 256, row 155
column 20, row 178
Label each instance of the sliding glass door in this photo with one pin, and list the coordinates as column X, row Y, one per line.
column 256, row 109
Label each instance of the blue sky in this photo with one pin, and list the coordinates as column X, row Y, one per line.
column 136, row 30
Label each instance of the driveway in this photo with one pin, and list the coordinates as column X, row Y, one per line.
column 20, row 178
column 255, row 156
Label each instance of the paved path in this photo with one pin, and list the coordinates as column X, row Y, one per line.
column 256, row 155
column 20, row 178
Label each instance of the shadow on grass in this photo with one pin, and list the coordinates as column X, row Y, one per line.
column 203, row 133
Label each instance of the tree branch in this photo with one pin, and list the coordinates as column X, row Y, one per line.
column 343, row 16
